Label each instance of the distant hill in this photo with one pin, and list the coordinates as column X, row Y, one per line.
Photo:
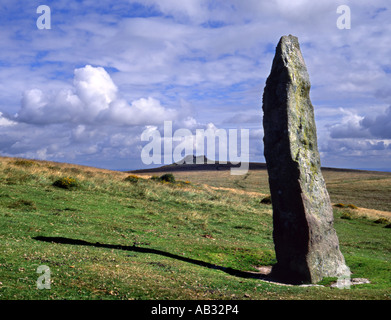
column 200, row 163
column 200, row 167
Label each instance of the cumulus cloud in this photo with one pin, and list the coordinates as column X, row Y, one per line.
column 371, row 126
column 93, row 99
column 88, row 119
column 349, row 127
column 142, row 111
column 363, row 140
column 379, row 126
column 4, row 122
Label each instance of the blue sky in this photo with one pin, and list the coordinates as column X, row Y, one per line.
column 85, row 90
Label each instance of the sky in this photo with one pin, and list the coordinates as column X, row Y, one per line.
column 85, row 90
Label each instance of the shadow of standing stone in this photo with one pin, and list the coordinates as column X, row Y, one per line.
column 306, row 244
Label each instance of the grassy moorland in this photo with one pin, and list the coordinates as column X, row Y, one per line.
column 106, row 236
column 368, row 189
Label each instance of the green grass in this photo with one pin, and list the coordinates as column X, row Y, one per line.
column 113, row 239
column 367, row 189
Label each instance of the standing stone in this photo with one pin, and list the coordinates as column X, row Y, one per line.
column 306, row 244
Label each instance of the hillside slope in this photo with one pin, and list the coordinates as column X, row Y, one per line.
column 113, row 237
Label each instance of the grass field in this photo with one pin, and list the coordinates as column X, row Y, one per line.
column 368, row 189
column 201, row 237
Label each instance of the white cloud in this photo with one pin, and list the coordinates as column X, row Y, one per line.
column 82, row 121
column 349, row 126
column 4, row 122
column 142, row 111
column 94, row 87
column 378, row 125
column 362, row 140
column 371, row 126
column 94, row 99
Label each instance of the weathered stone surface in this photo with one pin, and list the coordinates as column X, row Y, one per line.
column 306, row 244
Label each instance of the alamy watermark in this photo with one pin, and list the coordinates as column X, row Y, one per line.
column 43, row 281
column 344, row 20
column 44, row 20
column 186, row 143
column 343, row 282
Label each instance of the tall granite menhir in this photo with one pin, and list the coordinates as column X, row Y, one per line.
column 306, row 244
